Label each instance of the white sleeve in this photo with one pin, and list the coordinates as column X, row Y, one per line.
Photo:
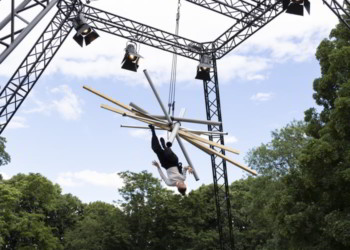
column 166, row 180
column 184, row 172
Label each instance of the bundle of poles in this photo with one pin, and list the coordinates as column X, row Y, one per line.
column 173, row 125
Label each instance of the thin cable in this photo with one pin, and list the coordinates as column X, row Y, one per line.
column 172, row 88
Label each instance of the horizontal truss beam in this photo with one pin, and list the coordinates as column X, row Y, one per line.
column 141, row 33
column 233, row 9
column 257, row 18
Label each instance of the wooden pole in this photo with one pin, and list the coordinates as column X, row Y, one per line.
column 198, row 138
column 212, row 151
column 120, row 104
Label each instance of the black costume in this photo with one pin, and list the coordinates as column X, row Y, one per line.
column 165, row 155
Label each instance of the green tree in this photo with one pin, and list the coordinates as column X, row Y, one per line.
column 281, row 155
column 34, row 214
column 26, row 203
column 312, row 206
column 4, row 156
column 102, row 226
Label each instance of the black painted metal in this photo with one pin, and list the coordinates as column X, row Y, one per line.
column 34, row 64
column 342, row 11
column 249, row 24
column 141, row 33
column 221, row 185
column 19, row 23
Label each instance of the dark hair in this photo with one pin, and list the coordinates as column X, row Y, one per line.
column 169, row 144
column 182, row 190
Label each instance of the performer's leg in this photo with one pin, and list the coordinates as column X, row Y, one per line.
column 155, row 143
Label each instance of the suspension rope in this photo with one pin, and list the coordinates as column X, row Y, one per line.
column 172, row 88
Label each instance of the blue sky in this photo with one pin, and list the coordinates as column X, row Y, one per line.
column 61, row 132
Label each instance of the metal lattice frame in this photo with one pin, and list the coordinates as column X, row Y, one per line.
column 19, row 27
column 249, row 15
column 141, row 33
column 221, row 185
column 34, row 64
column 249, row 24
column 342, row 11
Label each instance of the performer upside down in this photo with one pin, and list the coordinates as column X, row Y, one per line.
column 169, row 161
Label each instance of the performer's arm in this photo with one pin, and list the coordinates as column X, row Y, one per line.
column 166, row 180
column 185, row 171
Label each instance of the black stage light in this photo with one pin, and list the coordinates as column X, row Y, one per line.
column 131, row 58
column 296, row 7
column 84, row 31
column 203, row 68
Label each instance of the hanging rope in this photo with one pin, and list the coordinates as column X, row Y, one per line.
column 172, row 88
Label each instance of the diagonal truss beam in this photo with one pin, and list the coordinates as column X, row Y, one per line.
column 141, row 33
column 19, row 25
column 342, row 11
column 257, row 18
column 23, row 80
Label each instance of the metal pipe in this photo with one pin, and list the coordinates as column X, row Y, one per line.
column 25, row 31
column 139, row 127
column 131, row 104
column 170, row 122
column 12, row 20
column 181, row 119
column 187, row 130
column 8, row 18
column 176, row 126
column 157, row 96
column 187, row 157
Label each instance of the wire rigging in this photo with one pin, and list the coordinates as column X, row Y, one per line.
column 172, row 88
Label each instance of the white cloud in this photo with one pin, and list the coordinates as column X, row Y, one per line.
column 261, row 97
column 230, row 139
column 89, row 177
column 17, row 122
column 288, row 37
column 146, row 134
column 243, row 67
column 140, row 133
column 68, row 106
column 5, row 176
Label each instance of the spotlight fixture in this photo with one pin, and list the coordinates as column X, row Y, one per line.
column 203, row 68
column 84, row 31
column 131, row 58
column 296, row 7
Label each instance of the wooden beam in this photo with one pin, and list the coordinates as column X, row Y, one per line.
column 212, row 151
column 198, row 138
column 120, row 104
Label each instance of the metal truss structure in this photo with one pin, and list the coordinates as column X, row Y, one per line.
column 248, row 16
column 19, row 25
column 342, row 11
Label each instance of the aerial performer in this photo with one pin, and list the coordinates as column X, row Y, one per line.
column 169, row 161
